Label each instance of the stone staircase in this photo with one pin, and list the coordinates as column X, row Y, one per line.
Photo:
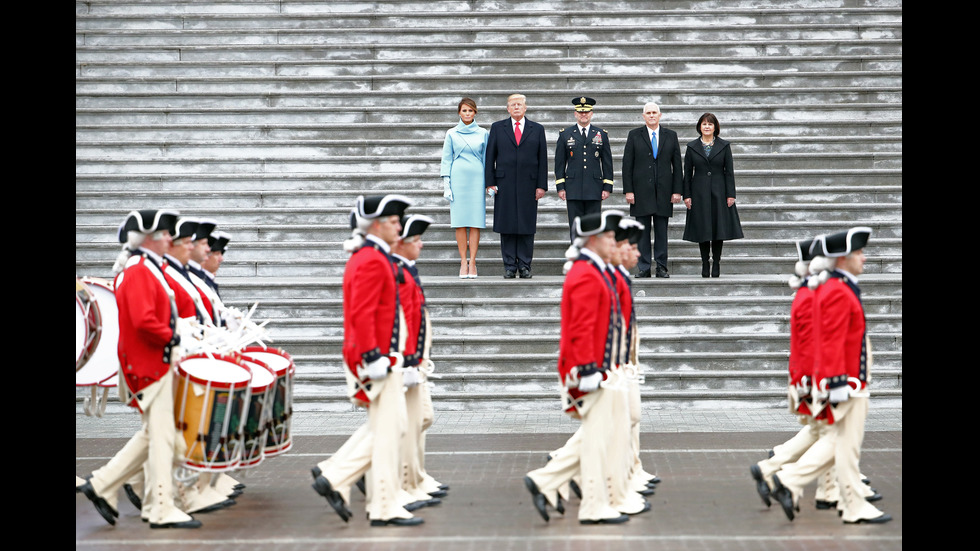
column 272, row 116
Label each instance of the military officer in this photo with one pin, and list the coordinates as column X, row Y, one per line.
column 583, row 164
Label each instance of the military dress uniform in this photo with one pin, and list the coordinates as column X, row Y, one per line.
column 841, row 359
column 373, row 332
column 148, row 338
column 589, row 316
column 583, row 166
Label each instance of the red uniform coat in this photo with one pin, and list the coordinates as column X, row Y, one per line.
column 587, row 303
column 840, row 336
column 625, row 297
column 145, row 325
column 370, row 307
column 801, row 341
column 185, row 304
column 410, row 296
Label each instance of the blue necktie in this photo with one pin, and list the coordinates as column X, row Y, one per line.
column 653, row 143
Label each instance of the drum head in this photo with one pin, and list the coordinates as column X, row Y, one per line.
column 219, row 371
column 262, row 375
column 279, row 362
column 102, row 367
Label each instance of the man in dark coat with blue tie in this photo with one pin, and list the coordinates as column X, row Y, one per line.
column 517, row 175
column 653, row 182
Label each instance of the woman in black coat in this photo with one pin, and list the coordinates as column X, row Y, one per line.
column 709, row 194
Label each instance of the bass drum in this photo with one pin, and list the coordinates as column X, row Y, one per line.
column 102, row 366
column 88, row 324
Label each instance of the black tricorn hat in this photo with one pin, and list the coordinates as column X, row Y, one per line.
column 840, row 244
column 596, row 223
column 147, row 221
column 218, row 241
column 803, row 250
column 376, row 206
column 415, row 224
column 204, row 228
column 185, row 228
column 629, row 230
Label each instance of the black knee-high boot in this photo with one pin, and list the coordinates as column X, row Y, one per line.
column 716, row 257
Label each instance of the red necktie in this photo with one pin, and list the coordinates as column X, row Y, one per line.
column 517, row 132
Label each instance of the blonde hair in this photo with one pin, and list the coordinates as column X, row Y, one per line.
column 521, row 97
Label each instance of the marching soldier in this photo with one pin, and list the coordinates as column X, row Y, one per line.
column 583, row 164
column 149, row 339
column 373, row 333
column 842, row 360
column 589, row 313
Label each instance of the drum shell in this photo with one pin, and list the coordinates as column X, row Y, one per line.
column 258, row 421
column 210, row 416
column 279, row 439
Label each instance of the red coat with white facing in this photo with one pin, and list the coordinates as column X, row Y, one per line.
column 801, row 339
column 586, row 302
column 410, row 296
column 841, row 335
column 369, row 306
column 144, row 325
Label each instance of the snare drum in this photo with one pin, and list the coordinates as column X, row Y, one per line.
column 259, row 418
column 279, row 439
column 210, row 401
column 88, row 324
column 103, row 366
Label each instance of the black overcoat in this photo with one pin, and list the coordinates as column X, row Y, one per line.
column 517, row 171
column 709, row 180
column 652, row 181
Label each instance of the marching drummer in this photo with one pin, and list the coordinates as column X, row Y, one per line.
column 373, row 333
column 218, row 244
column 149, row 339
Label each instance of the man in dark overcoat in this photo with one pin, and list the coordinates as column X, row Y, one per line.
column 653, row 182
column 517, row 175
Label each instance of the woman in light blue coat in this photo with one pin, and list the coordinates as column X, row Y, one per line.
column 463, row 155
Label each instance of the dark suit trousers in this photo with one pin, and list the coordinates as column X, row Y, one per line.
column 659, row 241
column 517, row 249
column 578, row 207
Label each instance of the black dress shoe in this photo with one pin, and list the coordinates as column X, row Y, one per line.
column 234, row 494
column 646, row 492
column 574, row 486
column 422, row 503
column 771, row 453
column 413, row 521
column 643, row 273
column 510, row 274
column 783, row 496
column 715, row 268
column 323, row 487
column 216, row 506
column 439, row 493
column 885, row 517
column 822, row 504
column 360, row 485
column 560, row 507
column 705, row 268
column 616, row 520
column 654, row 480
column 873, row 497
column 652, row 485
column 133, row 498
column 646, row 507
column 104, row 509
column 525, row 273
column 662, row 272
column 444, row 487
column 238, row 486
column 760, row 484
column 193, row 523
column 537, row 498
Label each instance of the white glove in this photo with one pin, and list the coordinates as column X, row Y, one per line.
column 840, row 394
column 378, row 369
column 447, row 192
column 590, row 382
column 410, row 376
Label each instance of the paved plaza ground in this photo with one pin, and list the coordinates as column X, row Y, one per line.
column 707, row 500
